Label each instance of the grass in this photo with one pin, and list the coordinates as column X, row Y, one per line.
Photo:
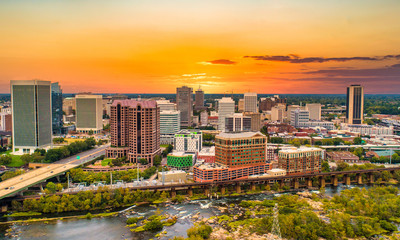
column 105, row 162
column 15, row 159
column 24, row 214
column 71, row 140
column 164, row 145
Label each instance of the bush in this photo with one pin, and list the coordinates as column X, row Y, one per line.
column 202, row 230
column 153, row 225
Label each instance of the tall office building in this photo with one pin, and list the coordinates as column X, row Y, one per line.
column 299, row 118
column 89, row 113
column 355, row 104
column 237, row 123
column 255, row 117
column 57, row 108
column 226, row 107
column 315, row 110
column 135, row 130
column 199, row 100
column 184, row 104
column 170, row 123
column 31, row 115
column 250, row 102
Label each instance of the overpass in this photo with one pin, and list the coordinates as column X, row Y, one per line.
column 293, row 181
column 21, row 182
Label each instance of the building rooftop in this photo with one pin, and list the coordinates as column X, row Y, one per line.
column 239, row 135
column 134, row 103
column 300, row 149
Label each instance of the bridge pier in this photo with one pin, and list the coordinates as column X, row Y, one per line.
column 190, row 191
column 309, row 182
column 206, row 191
column 223, row 190
column 281, row 184
column 58, row 178
column 296, row 183
column 347, row 180
column 173, row 192
column 371, row 178
column 335, row 180
column 322, row 182
column 238, row 189
column 253, row 186
column 359, row 179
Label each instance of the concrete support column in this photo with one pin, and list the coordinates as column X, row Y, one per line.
column 347, row 179
column 309, row 182
column 238, row 189
column 296, row 183
column 252, row 186
column 335, row 180
column 371, row 178
column 206, row 191
column 359, row 179
column 58, row 178
column 322, row 182
column 190, row 191
column 173, row 192
column 223, row 190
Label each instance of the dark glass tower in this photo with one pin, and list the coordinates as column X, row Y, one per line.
column 355, row 104
column 56, row 107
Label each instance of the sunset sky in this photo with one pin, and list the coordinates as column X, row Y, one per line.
column 298, row 46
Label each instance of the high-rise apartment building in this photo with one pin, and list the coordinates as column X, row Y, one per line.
column 300, row 160
column 199, row 100
column 135, row 130
column 315, row 110
column 266, row 104
column 250, row 102
column 89, row 113
column 5, row 122
column 226, row 107
column 184, row 104
column 57, row 108
column 170, row 123
column 355, row 104
column 237, row 123
column 237, row 156
column 31, row 115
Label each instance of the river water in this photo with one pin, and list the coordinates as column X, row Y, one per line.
column 115, row 227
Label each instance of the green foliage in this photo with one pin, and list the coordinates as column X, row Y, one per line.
column 5, row 159
column 133, row 220
column 325, row 166
column 178, row 198
column 11, row 174
column 51, row 187
column 201, row 230
column 208, row 137
column 58, row 140
column 276, row 140
column 157, row 160
column 357, row 141
column 143, row 161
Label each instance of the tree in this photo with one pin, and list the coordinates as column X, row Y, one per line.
column 5, row 160
column 90, row 132
column 157, row 160
column 143, row 161
column 51, row 187
column 117, row 162
column 325, row 166
column 357, row 141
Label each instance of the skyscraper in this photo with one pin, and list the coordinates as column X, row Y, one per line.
column 184, row 101
column 57, row 108
column 170, row 123
column 135, row 130
column 237, row 123
column 355, row 104
column 31, row 115
column 226, row 107
column 199, row 100
column 315, row 110
column 250, row 102
column 89, row 113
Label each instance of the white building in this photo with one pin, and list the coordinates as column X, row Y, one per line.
column 166, row 105
column 315, row 110
column 170, row 123
column 188, row 141
column 299, row 117
column 203, row 118
column 226, row 107
column 250, row 102
column 237, row 122
column 370, row 130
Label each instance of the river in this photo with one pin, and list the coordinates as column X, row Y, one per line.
column 115, row 227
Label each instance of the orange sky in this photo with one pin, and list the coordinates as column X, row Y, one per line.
column 154, row 46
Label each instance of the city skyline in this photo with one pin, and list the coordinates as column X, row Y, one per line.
column 153, row 47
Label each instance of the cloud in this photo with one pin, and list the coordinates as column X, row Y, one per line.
column 292, row 58
column 392, row 71
column 219, row 62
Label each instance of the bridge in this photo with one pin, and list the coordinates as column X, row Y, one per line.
column 292, row 181
column 22, row 182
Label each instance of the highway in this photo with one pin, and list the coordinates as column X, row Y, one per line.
column 33, row 177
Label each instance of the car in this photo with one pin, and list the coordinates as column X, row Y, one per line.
column 11, row 188
column 51, row 171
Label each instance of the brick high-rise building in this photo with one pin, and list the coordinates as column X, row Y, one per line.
column 135, row 130
column 300, row 160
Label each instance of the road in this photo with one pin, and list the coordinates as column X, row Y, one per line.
column 33, row 177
